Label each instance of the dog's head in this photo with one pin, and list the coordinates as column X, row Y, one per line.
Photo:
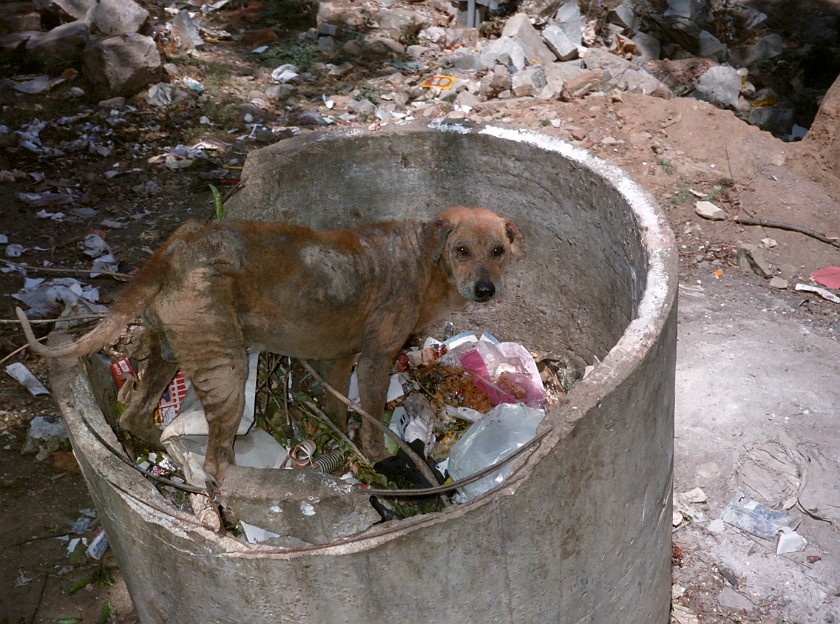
column 477, row 248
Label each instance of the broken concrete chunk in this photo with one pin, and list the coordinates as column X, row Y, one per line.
column 720, row 86
column 60, row 47
column 520, row 29
column 505, row 50
column 114, row 17
column 123, row 65
column 708, row 210
column 74, row 9
column 185, row 32
column 711, row 47
column 311, row 506
column 751, row 258
column 559, row 42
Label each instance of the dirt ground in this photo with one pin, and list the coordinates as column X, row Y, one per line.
column 754, row 362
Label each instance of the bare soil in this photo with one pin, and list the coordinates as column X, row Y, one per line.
column 746, row 351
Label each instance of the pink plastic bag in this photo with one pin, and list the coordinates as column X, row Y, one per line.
column 506, row 373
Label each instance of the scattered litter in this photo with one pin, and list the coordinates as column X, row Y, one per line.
column 22, row 580
column 192, row 84
column 285, row 73
column 45, row 296
column 256, row 535
column 37, row 85
column 822, row 292
column 438, row 81
column 15, row 250
column 790, row 541
column 45, row 436
column 716, row 526
column 164, row 94
column 828, row 277
column 784, row 473
column 46, row 199
column 755, row 518
column 769, row 242
column 24, row 377
column 498, row 434
column 98, row 546
column 84, row 522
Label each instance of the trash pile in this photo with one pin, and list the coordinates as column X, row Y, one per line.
column 462, row 404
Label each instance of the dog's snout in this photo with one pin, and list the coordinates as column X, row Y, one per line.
column 484, row 290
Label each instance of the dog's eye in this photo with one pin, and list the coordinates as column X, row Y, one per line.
column 463, row 251
column 498, row 251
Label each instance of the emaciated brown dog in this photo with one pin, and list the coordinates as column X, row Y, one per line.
column 341, row 298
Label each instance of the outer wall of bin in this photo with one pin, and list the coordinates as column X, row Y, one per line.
column 581, row 532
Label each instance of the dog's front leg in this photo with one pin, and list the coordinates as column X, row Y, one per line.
column 337, row 374
column 372, row 371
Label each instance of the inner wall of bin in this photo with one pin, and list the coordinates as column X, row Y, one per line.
column 576, row 289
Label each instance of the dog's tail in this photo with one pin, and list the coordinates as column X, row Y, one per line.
column 142, row 289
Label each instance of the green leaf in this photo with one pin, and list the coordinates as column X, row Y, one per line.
column 217, row 203
column 80, row 584
column 105, row 615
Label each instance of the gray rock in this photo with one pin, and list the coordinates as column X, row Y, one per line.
column 711, row 47
column 361, row 107
column 540, row 8
column 708, row 210
column 681, row 8
column 769, row 47
column 775, row 119
column 185, row 32
column 61, row 46
column 624, row 16
column 731, row 599
column 311, row 506
column 570, row 20
column 11, row 43
column 719, row 85
column 529, row 81
column 648, row 46
column 74, row 9
column 558, row 41
column 556, row 76
column 779, row 282
column 751, row 258
column 123, row 65
column 114, row 17
column 584, row 83
column 623, row 74
column 465, row 60
column 401, row 22
column 495, row 82
column 19, row 16
column 505, row 50
column 519, row 28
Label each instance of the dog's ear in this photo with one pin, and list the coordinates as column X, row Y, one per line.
column 515, row 237
column 434, row 237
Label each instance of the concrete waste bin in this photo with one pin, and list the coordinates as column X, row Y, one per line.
column 581, row 532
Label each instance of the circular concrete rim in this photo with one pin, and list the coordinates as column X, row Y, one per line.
column 639, row 337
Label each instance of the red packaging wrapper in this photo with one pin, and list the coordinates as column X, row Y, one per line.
column 122, row 370
column 170, row 402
